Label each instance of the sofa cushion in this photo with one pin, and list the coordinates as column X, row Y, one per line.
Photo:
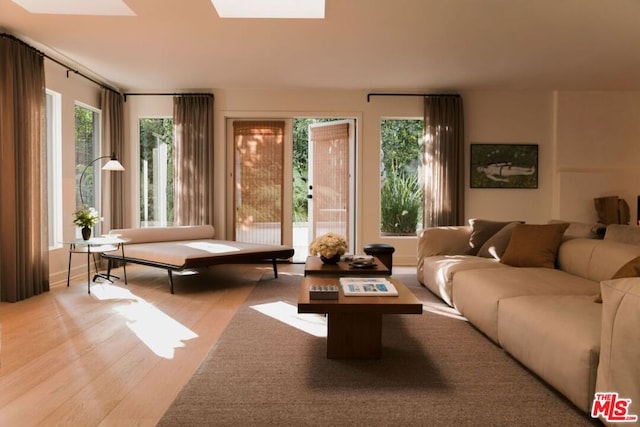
column 165, row 234
column 438, row 271
column 477, row 293
column 557, row 337
column 581, row 230
column 622, row 233
column 595, row 260
column 177, row 254
column 534, row 245
column 481, row 231
column 495, row 246
column 619, row 369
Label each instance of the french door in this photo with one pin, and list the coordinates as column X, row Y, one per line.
column 260, row 187
column 331, row 179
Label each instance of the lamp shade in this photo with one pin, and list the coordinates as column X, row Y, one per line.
column 113, row 165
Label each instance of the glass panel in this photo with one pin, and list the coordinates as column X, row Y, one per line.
column 258, row 160
column 401, row 189
column 87, row 147
column 156, row 172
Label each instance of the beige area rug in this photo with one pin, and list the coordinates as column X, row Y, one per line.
column 435, row 370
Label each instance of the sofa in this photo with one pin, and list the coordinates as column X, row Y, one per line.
column 190, row 247
column 562, row 301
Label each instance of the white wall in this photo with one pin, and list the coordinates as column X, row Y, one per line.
column 511, row 117
column 598, row 152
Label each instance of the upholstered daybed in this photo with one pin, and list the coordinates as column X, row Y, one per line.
column 186, row 247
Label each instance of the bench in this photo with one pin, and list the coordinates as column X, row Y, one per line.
column 186, row 247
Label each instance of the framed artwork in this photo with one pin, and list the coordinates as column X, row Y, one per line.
column 504, row 166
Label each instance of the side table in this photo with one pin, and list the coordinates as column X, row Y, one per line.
column 95, row 246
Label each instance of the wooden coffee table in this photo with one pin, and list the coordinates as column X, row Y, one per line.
column 355, row 323
column 315, row 267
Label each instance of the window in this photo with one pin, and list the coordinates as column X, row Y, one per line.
column 156, row 172
column 401, row 188
column 87, row 129
column 54, row 166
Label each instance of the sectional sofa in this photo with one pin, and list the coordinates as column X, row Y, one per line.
column 563, row 303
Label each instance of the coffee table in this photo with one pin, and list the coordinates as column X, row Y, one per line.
column 315, row 267
column 355, row 323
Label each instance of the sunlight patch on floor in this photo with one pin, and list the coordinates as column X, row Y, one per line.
column 313, row 324
column 158, row 331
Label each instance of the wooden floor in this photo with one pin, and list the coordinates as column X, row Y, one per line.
column 118, row 356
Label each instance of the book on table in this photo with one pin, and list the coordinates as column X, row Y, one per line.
column 367, row 286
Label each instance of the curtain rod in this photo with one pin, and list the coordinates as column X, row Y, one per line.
column 167, row 94
column 410, row 94
column 12, row 37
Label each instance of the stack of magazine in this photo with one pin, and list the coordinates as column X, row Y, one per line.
column 367, row 286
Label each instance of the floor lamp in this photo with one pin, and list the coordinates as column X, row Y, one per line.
column 112, row 165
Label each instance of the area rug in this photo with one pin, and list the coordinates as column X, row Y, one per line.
column 435, row 370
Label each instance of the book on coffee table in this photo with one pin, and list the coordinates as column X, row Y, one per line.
column 367, row 286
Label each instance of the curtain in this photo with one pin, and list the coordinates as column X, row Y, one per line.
column 193, row 159
column 112, row 106
column 443, row 161
column 24, row 269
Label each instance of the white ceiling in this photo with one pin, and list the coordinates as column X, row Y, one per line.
column 375, row 45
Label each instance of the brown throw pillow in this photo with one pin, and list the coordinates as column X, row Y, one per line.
column 534, row 245
column 630, row 269
column 497, row 244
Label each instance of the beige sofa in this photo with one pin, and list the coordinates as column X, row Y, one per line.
column 190, row 247
column 547, row 318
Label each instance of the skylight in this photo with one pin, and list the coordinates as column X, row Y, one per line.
column 77, row 7
column 284, row 9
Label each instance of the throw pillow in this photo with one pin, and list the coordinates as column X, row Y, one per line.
column 630, row 269
column 534, row 245
column 481, row 231
column 497, row 244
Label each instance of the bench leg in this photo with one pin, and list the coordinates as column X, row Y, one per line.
column 170, row 280
column 275, row 268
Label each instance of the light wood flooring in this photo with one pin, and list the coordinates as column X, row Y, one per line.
column 119, row 356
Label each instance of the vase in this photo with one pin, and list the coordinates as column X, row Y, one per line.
column 86, row 233
column 333, row 260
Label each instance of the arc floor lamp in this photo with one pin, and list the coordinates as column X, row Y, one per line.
column 112, row 165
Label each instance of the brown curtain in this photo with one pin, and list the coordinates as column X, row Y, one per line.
column 443, row 161
column 24, row 269
column 193, row 159
column 112, row 106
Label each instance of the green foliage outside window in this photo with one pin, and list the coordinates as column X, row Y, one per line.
column 401, row 193
column 85, row 128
